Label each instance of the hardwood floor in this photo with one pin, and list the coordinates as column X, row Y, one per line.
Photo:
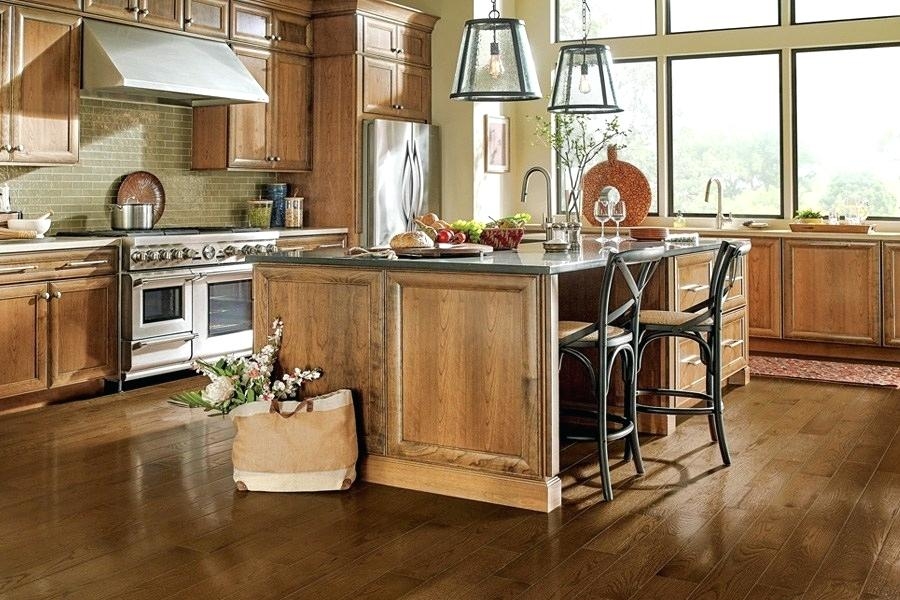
column 129, row 497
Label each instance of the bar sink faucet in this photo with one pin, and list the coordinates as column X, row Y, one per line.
column 548, row 217
column 721, row 219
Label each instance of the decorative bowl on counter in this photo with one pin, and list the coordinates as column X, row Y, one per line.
column 38, row 226
column 502, row 238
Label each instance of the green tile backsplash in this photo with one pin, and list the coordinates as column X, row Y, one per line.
column 118, row 138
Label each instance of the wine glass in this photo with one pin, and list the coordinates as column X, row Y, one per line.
column 617, row 213
column 601, row 213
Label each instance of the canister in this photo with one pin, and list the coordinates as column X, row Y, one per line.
column 293, row 212
column 276, row 193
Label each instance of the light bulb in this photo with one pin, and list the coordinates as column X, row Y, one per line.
column 495, row 65
column 584, row 83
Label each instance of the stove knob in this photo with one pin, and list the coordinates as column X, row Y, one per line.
column 151, row 255
column 232, row 251
column 247, row 250
column 187, row 254
column 209, row 252
column 136, row 256
column 164, row 254
column 271, row 249
column 259, row 249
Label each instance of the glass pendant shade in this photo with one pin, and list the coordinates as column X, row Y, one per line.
column 584, row 81
column 495, row 63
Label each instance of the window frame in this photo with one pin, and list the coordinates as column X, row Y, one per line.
column 558, row 39
column 669, row 31
column 794, row 21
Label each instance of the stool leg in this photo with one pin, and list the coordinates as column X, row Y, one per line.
column 710, row 389
column 632, row 443
column 602, row 388
column 717, row 400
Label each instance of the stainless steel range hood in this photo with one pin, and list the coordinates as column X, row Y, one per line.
column 130, row 63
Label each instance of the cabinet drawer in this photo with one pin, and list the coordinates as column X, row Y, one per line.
column 692, row 275
column 312, row 242
column 691, row 372
column 57, row 264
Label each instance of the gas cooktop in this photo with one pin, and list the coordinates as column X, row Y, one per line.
column 162, row 231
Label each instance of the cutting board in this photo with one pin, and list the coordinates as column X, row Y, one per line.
column 826, row 228
column 445, row 251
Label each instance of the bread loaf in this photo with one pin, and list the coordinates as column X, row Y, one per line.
column 411, row 239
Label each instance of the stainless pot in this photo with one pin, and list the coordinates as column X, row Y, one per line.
column 132, row 216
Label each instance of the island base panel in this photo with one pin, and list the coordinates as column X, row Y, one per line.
column 543, row 495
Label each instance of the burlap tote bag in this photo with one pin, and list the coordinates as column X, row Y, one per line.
column 305, row 446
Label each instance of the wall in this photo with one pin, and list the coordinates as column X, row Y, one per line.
column 118, row 138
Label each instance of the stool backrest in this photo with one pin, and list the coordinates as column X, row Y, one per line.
column 619, row 268
column 723, row 275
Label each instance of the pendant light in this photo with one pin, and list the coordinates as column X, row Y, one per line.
column 495, row 62
column 583, row 77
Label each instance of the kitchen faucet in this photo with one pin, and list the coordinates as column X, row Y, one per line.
column 720, row 218
column 548, row 217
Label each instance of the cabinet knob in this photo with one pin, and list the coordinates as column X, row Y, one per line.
column 144, row 12
column 278, row 38
column 57, row 294
column 269, row 37
column 5, row 148
column 399, row 51
column 18, row 148
column 277, row 158
column 45, row 295
column 132, row 9
column 188, row 21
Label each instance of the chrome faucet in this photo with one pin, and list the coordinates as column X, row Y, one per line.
column 548, row 217
column 720, row 218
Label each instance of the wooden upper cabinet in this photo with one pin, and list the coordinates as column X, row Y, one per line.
column 83, row 332
column 69, row 4
column 248, row 123
column 23, row 313
column 162, row 13
column 395, row 90
column 43, row 81
column 414, row 92
column 393, row 40
column 764, row 293
column 891, row 293
column 119, row 9
column 261, row 26
column 832, row 291
column 378, row 85
column 206, row 17
column 291, row 119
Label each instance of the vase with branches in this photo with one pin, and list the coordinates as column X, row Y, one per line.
column 577, row 140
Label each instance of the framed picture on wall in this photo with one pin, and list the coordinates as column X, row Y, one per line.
column 496, row 144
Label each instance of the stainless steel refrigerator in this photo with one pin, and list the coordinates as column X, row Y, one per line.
column 401, row 177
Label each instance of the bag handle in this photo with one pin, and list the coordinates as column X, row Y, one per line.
column 302, row 406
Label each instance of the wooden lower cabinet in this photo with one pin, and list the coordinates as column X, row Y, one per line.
column 832, row 291
column 60, row 333
column 890, row 260
column 765, row 289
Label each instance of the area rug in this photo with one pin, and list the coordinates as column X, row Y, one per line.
column 826, row 370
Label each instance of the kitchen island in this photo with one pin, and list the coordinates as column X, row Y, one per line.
column 453, row 361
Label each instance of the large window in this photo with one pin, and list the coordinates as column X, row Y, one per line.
column 794, row 106
column 848, row 131
column 726, row 124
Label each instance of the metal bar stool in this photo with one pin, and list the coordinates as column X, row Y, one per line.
column 701, row 323
column 612, row 335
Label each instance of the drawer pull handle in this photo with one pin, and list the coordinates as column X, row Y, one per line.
column 140, row 282
column 22, row 269
column 694, row 287
column 84, row 263
column 340, row 245
column 139, row 345
column 732, row 343
column 691, row 360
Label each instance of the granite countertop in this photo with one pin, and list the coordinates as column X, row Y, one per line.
column 748, row 232
column 530, row 258
column 54, row 243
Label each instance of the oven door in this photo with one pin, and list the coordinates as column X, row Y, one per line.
column 157, row 303
column 223, row 311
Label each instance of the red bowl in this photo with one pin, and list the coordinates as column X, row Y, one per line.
column 502, row 239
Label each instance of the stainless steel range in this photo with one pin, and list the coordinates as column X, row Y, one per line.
column 186, row 294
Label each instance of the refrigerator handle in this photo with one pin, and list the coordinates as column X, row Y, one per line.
column 419, row 192
column 406, row 189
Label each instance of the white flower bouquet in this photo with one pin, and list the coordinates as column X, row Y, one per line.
column 239, row 380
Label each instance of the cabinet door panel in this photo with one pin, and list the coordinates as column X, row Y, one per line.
column 206, row 17
column 83, row 333
column 5, row 65
column 119, row 9
column 415, row 46
column 764, row 293
column 832, row 291
column 891, row 283
column 46, row 67
column 414, row 96
column 23, row 333
column 292, row 117
column 251, row 24
column 293, row 33
column 379, row 38
column 248, row 123
column 378, row 81
column 162, row 13
column 70, row 4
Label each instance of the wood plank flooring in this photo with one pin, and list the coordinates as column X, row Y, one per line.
column 128, row 497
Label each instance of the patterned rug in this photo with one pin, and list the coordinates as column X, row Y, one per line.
column 825, row 370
